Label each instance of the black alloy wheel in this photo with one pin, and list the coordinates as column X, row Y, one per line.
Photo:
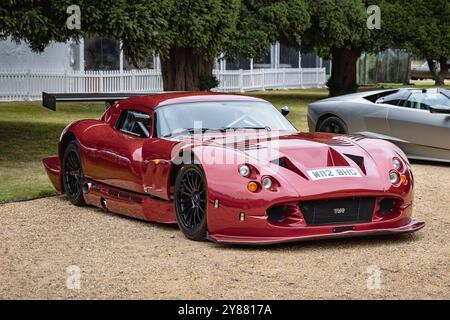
column 333, row 125
column 191, row 202
column 72, row 174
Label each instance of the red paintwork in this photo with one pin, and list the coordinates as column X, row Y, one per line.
column 134, row 175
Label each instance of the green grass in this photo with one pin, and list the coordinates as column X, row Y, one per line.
column 296, row 100
column 29, row 132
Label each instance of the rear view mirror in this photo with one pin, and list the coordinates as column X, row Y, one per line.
column 440, row 109
column 285, row 111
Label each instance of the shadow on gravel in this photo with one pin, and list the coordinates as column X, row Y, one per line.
column 318, row 244
column 333, row 244
column 163, row 226
column 431, row 163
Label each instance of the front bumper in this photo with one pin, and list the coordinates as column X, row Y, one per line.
column 52, row 166
column 352, row 231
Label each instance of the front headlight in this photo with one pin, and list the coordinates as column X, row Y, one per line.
column 394, row 177
column 397, row 164
column 244, row 170
column 266, row 183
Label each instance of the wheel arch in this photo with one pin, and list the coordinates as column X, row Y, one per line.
column 64, row 142
column 178, row 163
column 325, row 116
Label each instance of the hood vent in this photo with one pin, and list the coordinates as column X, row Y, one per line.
column 247, row 146
column 287, row 164
column 358, row 160
column 335, row 159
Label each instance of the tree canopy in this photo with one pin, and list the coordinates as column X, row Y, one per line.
column 339, row 29
column 262, row 22
column 187, row 34
column 423, row 28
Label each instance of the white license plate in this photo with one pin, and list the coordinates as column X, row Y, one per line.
column 329, row 173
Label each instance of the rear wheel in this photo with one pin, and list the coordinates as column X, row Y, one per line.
column 191, row 202
column 333, row 125
column 72, row 174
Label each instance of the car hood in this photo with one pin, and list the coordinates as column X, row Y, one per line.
column 309, row 149
column 305, row 150
column 292, row 157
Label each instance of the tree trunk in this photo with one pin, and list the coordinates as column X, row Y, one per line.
column 444, row 70
column 184, row 70
column 343, row 73
column 435, row 72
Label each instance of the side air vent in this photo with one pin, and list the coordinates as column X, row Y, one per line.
column 358, row 160
column 287, row 164
column 248, row 146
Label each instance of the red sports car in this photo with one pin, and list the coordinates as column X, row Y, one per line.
column 231, row 169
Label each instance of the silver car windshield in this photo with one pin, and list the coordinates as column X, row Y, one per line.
column 219, row 115
column 424, row 100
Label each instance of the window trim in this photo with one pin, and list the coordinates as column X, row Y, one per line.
column 124, row 114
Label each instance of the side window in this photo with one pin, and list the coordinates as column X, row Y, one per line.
column 392, row 99
column 136, row 123
column 417, row 101
column 394, row 102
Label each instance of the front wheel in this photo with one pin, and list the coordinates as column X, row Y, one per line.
column 191, row 202
column 72, row 174
column 333, row 125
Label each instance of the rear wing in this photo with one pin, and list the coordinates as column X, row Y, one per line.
column 49, row 100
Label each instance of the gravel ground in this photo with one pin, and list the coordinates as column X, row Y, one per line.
column 121, row 258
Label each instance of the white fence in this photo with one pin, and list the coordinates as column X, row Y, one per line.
column 262, row 79
column 28, row 85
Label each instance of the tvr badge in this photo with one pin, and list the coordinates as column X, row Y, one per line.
column 339, row 210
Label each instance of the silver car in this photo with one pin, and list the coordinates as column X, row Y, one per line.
column 423, row 72
column 416, row 120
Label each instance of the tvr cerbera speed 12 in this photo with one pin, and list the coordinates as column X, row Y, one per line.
column 231, row 169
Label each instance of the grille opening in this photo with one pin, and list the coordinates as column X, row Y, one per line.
column 338, row 211
column 277, row 213
column 387, row 206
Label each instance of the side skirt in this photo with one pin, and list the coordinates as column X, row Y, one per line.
column 125, row 202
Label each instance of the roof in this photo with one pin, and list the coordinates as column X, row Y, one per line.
column 154, row 101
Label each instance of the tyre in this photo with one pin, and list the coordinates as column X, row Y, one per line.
column 191, row 202
column 333, row 125
column 72, row 174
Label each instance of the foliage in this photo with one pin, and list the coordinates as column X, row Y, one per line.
column 263, row 22
column 207, row 26
column 208, row 82
column 422, row 27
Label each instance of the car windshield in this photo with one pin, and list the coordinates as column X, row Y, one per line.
column 219, row 115
column 423, row 100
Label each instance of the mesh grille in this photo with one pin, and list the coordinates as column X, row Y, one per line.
column 338, row 211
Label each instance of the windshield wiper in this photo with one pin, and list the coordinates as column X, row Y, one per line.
column 193, row 130
column 247, row 128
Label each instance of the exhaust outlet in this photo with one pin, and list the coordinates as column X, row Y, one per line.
column 86, row 187
column 103, row 204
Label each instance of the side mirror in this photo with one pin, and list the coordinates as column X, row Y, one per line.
column 285, row 111
column 440, row 109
